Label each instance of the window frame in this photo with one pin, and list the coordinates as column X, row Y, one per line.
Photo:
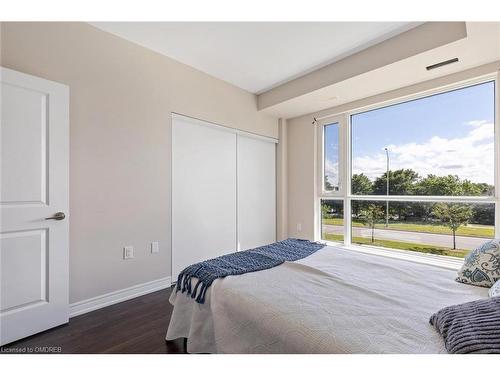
column 321, row 157
column 345, row 170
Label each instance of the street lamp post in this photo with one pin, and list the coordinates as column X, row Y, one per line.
column 387, row 189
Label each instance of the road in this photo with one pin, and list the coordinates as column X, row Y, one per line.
column 433, row 239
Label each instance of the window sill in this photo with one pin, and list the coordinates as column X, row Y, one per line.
column 430, row 259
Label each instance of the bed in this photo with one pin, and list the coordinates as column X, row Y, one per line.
column 334, row 301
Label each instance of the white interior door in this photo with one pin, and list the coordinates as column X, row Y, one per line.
column 256, row 192
column 34, row 185
column 203, row 192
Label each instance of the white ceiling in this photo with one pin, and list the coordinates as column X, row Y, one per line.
column 256, row 56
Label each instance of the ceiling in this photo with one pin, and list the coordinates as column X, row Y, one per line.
column 481, row 46
column 263, row 58
column 256, row 56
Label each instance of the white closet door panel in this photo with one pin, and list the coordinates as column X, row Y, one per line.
column 256, row 192
column 203, row 192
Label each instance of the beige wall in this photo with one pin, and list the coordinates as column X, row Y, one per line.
column 282, row 182
column 121, row 98
column 301, row 175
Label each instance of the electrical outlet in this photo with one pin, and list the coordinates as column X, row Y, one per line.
column 299, row 227
column 155, row 247
column 128, row 252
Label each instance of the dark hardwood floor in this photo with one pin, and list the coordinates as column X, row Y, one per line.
column 137, row 326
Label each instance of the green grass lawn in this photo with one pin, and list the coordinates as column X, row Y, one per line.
column 459, row 253
column 471, row 230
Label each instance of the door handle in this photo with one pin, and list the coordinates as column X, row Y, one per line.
column 57, row 216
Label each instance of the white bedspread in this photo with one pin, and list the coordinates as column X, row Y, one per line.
column 334, row 301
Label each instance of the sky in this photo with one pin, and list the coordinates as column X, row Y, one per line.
column 449, row 133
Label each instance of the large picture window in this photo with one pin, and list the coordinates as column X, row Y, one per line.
column 422, row 174
column 438, row 145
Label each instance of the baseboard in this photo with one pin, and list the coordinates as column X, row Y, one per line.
column 121, row 295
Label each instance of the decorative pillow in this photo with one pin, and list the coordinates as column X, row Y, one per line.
column 482, row 266
column 495, row 290
column 471, row 327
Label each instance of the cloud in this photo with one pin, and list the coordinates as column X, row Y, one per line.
column 453, row 166
column 469, row 157
column 332, row 171
column 476, row 123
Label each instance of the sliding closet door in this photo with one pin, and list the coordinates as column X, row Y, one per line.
column 203, row 192
column 256, row 192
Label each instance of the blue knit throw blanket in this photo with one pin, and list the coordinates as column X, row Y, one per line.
column 241, row 262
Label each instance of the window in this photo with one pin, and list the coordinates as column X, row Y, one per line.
column 332, row 220
column 439, row 145
column 441, row 228
column 421, row 173
column 331, row 164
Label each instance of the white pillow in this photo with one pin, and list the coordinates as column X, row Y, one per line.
column 495, row 290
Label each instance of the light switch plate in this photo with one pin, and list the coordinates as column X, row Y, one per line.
column 128, row 252
column 155, row 247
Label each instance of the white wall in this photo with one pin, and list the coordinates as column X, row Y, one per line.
column 121, row 98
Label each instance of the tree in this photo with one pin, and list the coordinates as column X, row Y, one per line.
column 408, row 182
column 371, row 216
column 453, row 215
column 360, row 185
column 439, row 186
column 470, row 188
column 451, row 185
column 483, row 214
column 332, row 209
column 325, row 211
column 485, row 188
column 401, row 182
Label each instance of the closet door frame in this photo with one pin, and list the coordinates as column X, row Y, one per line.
column 238, row 132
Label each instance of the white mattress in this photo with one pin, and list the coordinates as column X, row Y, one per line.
column 334, row 301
